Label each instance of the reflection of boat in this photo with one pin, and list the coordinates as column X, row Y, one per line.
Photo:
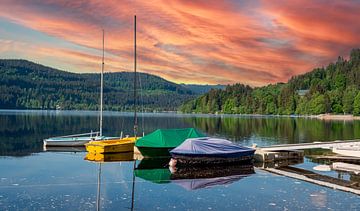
column 161, row 175
column 161, row 141
column 340, row 166
column 110, row 157
column 153, row 163
column 154, row 170
column 210, row 151
column 197, row 178
column 348, row 151
column 111, row 146
column 64, row 149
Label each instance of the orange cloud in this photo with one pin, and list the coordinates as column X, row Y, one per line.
column 251, row 42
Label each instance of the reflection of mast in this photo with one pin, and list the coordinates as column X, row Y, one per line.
column 98, row 195
column 135, row 116
column 133, row 187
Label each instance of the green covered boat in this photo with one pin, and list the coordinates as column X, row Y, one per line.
column 161, row 141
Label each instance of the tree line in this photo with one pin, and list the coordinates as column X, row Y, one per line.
column 27, row 85
column 330, row 89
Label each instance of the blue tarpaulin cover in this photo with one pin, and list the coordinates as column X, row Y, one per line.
column 208, row 146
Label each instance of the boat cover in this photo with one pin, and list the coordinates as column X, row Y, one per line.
column 168, row 138
column 210, row 146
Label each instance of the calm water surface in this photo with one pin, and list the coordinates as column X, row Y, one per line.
column 31, row 179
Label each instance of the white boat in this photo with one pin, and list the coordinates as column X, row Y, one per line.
column 353, row 151
column 75, row 140
column 66, row 142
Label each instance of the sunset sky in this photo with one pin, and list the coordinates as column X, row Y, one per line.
column 198, row 41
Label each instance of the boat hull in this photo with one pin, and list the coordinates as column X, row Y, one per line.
column 65, row 143
column 111, row 146
column 152, row 152
column 77, row 141
column 211, row 161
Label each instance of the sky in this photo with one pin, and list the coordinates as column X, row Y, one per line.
column 195, row 41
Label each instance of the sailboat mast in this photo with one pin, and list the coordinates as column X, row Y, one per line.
column 135, row 81
column 102, row 83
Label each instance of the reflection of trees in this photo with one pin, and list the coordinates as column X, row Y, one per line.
column 285, row 130
column 22, row 134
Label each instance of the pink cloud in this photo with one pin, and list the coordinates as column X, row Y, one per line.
column 255, row 43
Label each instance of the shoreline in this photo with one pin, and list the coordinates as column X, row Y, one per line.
column 345, row 117
column 325, row 117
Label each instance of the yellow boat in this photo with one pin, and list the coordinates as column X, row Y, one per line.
column 111, row 146
column 110, row 157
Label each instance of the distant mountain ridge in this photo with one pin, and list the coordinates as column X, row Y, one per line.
column 202, row 89
column 27, row 85
column 332, row 89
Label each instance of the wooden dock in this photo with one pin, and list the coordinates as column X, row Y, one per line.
column 336, row 158
column 313, row 145
column 295, row 151
column 273, row 156
column 284, row 152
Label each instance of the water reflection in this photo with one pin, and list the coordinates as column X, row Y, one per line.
column 157, row 171
column 206, row 177
column 154, row 170
column 64, row 149
column 110, row 157
column 63, row 180
column 22, row 132
column 277, row 130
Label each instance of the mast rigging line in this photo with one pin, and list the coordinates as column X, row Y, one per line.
column 135, row 82
column 102, row 83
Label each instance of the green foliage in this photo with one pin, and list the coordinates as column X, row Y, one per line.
column 356, row 110
column 340, row 81
column 317, row 104
column 348, row 99
column 27, row 85
column 328, row 90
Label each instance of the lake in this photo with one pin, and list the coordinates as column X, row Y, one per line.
column 32, row 179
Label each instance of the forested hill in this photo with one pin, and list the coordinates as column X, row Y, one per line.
column 27, row 85
column 202, row 89
column 331, row 89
